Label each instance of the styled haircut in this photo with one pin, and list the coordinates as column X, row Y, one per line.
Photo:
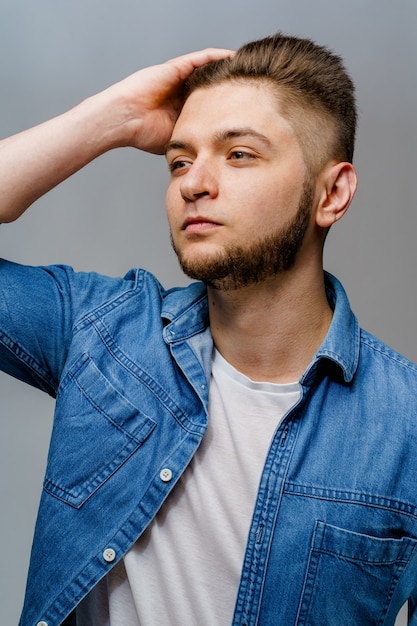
column 314, row 91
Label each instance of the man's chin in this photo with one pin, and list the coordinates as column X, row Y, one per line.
column 207, row 271
column 217, row 274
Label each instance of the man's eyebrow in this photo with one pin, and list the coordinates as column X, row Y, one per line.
column 222, row 136
column 244, row 131
column 177, row 145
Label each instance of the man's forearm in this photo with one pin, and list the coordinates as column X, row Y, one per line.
column 36, row 160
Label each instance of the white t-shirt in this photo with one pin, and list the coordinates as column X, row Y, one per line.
column 185, row 569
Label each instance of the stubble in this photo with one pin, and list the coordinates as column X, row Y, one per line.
column 243, row 265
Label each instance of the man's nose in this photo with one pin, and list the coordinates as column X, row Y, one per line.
column 200, row 180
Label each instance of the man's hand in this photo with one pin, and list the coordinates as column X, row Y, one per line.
column 153, row 98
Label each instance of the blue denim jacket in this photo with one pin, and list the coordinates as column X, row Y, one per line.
column 333, row 538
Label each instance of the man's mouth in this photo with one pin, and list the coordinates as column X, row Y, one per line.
column 198, row 224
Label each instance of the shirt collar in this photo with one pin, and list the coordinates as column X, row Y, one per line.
column 186, row 310
column 341, row 344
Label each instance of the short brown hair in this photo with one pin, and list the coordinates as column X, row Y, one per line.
column 315, row 92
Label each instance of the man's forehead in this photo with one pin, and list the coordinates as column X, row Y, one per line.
column 229, row 110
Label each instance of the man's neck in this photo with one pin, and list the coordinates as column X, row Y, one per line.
column 271, row 331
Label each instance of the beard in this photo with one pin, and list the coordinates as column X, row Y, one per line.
column 240, row 266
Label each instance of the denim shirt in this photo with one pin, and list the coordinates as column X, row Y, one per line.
column 333, row 539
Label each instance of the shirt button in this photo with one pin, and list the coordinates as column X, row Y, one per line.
column 166, row 475
column 42, row 624
column 109, row 555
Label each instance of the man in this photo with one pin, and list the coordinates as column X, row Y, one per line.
column 296, row 504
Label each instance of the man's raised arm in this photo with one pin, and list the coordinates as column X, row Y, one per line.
column 139, row 111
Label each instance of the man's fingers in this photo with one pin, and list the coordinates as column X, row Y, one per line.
column 186, row 63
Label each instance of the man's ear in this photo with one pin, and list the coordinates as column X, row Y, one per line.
column 336, row 185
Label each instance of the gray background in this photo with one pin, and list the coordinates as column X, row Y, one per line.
column 110, row 217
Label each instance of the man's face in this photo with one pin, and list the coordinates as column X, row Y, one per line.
column 238, row 203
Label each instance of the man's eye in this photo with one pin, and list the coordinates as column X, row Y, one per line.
column 177, row 165
column 241, row 155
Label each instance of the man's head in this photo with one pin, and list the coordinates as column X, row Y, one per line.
column 314, row 92
column 260, row 162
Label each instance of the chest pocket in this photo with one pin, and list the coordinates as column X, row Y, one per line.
column 351, row 577
column 96, row 429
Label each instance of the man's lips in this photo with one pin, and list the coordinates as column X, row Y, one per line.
column 198, row 224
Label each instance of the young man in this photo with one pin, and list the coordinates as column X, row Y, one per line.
column 238, row 451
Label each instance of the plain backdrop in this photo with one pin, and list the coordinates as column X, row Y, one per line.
column 110, row 217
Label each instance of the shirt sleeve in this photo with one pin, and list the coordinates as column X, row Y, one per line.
column 36, row 317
